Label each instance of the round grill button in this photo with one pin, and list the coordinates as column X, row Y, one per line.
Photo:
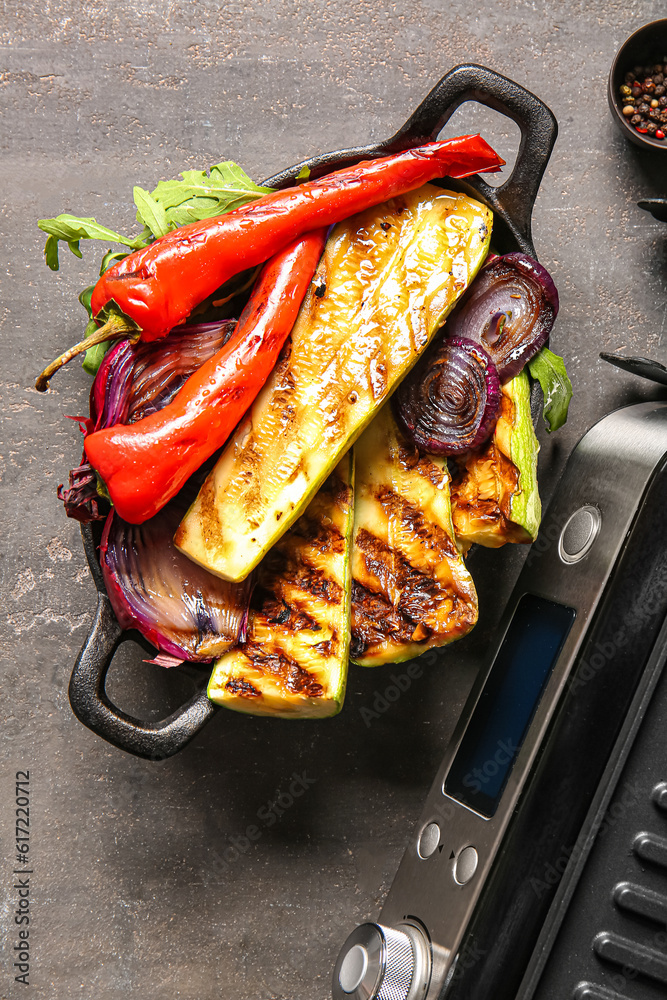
column 429, row 840
column 579, row 533
column 381, row 963
column 465, row 865
column 353, row 969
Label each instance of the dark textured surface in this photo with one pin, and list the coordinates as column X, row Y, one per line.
column 131, row 889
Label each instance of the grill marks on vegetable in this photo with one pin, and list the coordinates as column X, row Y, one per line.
column 410, row 590
column 242, row 687
column 295, row 656
column 373, row 619
column 386, row 292
column 494, row 490
column 482, row 494
column 286, row 673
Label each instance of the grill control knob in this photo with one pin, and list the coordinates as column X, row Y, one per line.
column 382, row 963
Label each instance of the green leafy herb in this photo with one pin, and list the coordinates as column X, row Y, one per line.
column 172, row 204
column 549, row 370
column 93, row 356
column 199, row 195
column 110, row 257
column 151, row 212
column 101, row 487
column 304, row 173
column 71, row 229
column 92, row 359
column 51, row 252
column 85, row 297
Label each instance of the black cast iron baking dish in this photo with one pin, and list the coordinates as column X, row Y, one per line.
column 512, row 204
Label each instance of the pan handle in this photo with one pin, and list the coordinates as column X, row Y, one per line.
column 513, row 200
column 90, row 704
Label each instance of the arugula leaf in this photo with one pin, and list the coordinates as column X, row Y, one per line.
column 102, row 488
column 93, row 357
column 150, row 212
column 51, row 253
column 201, row 196
column 85, row 297
column 549, row 370
column 110, row 257
column 70, row 229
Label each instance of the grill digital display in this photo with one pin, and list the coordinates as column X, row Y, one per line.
column 507, row 704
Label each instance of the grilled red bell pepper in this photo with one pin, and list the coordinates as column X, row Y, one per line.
column 145, row 464
column 159, row 286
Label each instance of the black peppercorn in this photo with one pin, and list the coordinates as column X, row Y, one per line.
column 642, row 99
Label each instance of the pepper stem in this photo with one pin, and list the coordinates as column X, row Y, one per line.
column 115, row 328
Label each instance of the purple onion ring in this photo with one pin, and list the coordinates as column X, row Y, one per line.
column 509, row 310
column 450, row 401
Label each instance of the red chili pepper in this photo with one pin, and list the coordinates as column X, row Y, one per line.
column 159, row 286
column 145, row 464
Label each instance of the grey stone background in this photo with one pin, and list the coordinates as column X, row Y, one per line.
column 127, row 894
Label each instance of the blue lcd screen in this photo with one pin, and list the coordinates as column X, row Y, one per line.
column 507, row 704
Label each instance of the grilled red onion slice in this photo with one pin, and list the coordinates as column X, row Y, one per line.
column 133, row 381
column 181, row 609
column 450, row 400
column 509, row 310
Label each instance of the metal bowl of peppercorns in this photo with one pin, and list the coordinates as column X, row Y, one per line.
column 638, row 86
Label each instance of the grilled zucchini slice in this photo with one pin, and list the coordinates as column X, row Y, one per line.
column 411, row 590
column 494, row 495
column 293, row 663
column 386, row 281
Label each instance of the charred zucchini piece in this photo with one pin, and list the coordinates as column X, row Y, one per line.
column 410, row 588
column 387, row 279
column 494, row 495
column 293, row 663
